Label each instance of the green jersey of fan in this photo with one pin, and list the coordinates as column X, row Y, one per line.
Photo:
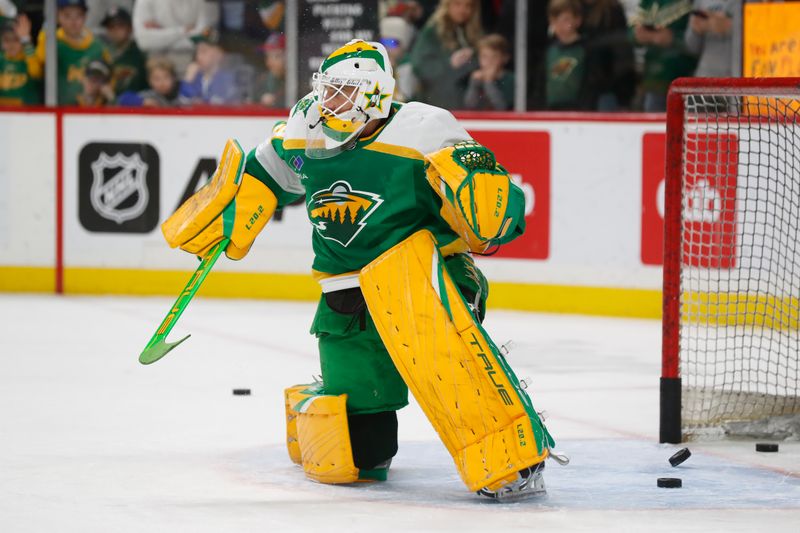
column 73, row 56
column 366, row 199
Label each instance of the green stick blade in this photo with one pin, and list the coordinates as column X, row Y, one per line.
column 158, row 346
column 153, row 353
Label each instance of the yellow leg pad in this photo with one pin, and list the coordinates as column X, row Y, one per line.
column 323, row 437
column 451, row 366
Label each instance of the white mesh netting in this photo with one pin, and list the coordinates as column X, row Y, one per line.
column 740, row 272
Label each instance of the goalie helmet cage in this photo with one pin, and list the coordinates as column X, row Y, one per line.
column 731, row 288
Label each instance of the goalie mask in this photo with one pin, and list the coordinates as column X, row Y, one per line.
column 354, row 85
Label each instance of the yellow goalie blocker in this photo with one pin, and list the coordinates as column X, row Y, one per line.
column 456, row 373
column 479, row 201
column 233, row 204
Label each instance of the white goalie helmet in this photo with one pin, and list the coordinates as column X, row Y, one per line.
column 353, row 86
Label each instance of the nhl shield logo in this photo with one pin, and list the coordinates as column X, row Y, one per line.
column 118, row 187
column 119, row 181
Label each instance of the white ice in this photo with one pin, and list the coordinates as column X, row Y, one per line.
column 91, row 441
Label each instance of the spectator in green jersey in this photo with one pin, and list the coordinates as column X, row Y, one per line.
column 567, row 80
column 660, row 28
column 76, row 47
column 20, row 71
column 97, row 91
column 127, row 61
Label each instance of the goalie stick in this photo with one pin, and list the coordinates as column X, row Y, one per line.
column 158, row 346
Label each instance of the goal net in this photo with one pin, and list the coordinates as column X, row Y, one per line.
column 731, row 331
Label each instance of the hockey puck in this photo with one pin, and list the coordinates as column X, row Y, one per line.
column 766, row 447
column 241, row 392
column 680, row 456
column 669, row 482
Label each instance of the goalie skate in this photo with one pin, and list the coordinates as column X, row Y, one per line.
column 530, row 483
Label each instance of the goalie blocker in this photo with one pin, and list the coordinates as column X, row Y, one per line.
column 463, row 384
column 232, row 204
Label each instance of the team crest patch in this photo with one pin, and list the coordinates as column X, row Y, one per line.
column 339, row 213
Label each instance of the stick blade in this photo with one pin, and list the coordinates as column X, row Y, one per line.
column 153, row 353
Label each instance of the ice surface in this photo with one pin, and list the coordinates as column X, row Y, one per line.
column 92, row 441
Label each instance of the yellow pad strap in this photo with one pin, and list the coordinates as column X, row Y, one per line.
column 473, row 203
column 205, row 205
column 447, row 361
column 323, row 436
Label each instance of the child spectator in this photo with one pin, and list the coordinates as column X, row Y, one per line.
column 665, row 56
column 443, row 55
column 96, row 83
column 270, row 89
column 20, row 71
column 709, row 37
column 567, row 79
column 491, row 87
column 397, row 34
column 76, row 47
column 206, row 80
column 127, row 67
column 164, row 88
column 605, row 29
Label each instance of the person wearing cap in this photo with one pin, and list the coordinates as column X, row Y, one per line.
column 206, row 80
column 270, row 89
column 76, row 48
column 127, row 61
column 98, row 9
column 166, row 28
column 97, row 91
column 20, row 71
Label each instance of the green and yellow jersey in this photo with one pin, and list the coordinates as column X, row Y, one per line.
column 73, row 56
column 20, row 78
column 364, row 200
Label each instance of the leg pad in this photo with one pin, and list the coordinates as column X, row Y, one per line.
column 318, row 436
column 461, row 381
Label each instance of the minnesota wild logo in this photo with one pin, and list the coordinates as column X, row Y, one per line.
column 339, row 213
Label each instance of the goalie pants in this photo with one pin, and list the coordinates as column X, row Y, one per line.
column 355, row 362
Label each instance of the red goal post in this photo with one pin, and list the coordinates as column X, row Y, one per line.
column 731, row 286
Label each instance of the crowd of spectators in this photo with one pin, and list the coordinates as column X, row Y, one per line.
column 457, row 54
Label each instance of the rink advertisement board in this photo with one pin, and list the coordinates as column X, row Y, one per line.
column 27, row 189
column 122, row 174
column 709, row 231
column 526, row 156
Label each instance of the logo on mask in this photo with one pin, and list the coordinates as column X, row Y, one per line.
column 339, row 213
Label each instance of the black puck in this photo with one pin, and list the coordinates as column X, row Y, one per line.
column 680, row 456
column 241, row 392
column 766, row 447
column 669, row 482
